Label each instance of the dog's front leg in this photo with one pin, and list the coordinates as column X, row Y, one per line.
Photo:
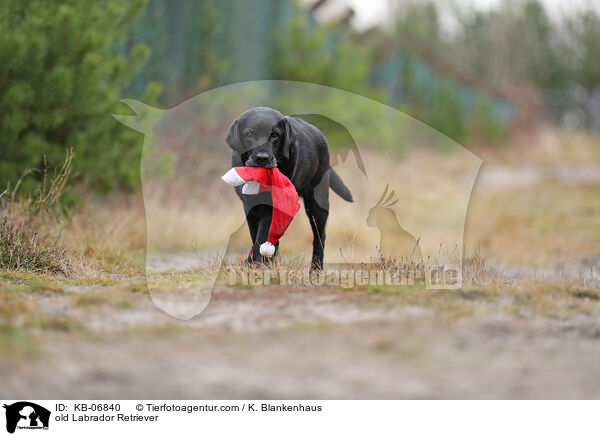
column 262, row 216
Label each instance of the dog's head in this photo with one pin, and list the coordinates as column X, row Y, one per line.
column 262, row 136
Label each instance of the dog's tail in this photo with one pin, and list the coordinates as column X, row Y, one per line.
column 335, row 183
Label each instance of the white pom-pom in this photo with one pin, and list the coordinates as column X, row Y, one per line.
column 267, row 249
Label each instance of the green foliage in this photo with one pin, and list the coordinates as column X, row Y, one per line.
column 315, row 55
column 208, row 61
column 205, row 44
column 60, row 80
column 484, row 125
column 320, row 54
column 445, row 113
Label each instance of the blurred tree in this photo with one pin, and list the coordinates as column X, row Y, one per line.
column 584, row 39
column 418, row 23
column 515, row 50
column 60, row 80
column 515, row 43
column 317, row 55
column 208, row 66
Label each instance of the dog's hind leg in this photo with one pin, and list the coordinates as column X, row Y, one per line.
column 316, row 204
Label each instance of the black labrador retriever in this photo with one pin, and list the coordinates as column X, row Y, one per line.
column 264, row 137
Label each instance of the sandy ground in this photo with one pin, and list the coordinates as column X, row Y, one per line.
column 309, row 343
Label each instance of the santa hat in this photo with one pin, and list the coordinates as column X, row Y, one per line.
column 283, row 194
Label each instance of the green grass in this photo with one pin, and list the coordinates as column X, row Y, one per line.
column 17, row 345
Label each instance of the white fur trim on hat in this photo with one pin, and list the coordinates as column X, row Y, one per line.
column 267, row 249
column 232, row 178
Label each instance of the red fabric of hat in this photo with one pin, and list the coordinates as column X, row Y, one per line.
column 283, row 194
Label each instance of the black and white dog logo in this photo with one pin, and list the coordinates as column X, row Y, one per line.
column 26, row 415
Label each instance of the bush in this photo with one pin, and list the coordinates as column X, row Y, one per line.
column 60, row 80
column 17, row 252
column 25, row 242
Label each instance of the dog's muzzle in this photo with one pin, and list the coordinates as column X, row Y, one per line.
column 261, row 159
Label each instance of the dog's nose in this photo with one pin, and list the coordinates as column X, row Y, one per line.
column 262, row 157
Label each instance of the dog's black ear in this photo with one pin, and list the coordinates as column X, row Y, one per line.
column 289, row 138
column 233, row 137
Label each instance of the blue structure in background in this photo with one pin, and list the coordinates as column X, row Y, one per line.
column 400, row 67
column 236, row 41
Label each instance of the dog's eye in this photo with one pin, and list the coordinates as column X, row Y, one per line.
column 274, row 135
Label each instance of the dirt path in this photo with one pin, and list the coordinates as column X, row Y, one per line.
column 309, row 343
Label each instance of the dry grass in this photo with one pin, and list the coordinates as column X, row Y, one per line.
column 532, row 225
column 535, row 225
column 19, row 252
column 30, row 226
column 37, row 235
column 546, row 146
column 110, row 233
